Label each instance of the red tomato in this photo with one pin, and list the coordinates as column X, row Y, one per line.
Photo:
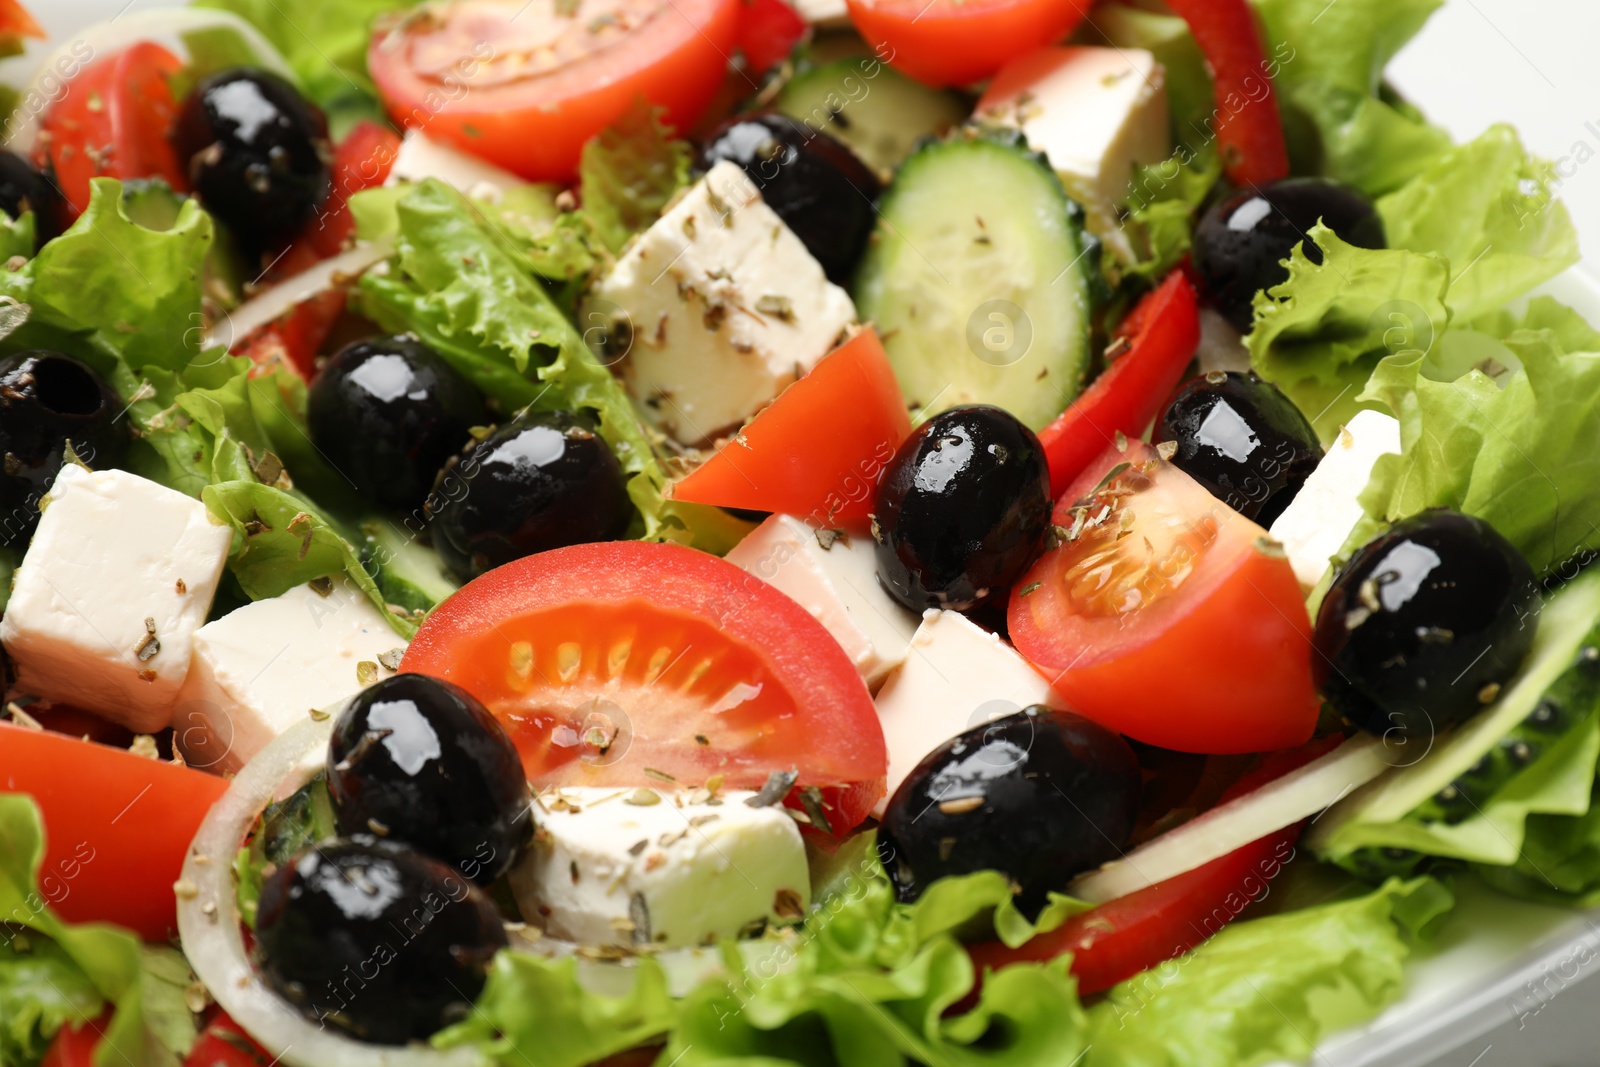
column 113, row 122
column 1120, row 938
column 224, row 1043
column 362, row 161
column 768, row 32
column 294, row 340
column 1157, row 340
column 525, row 86
column 817, row 451
column 116, row 826
column 16, row 23
column 1166, row 615
column 74, row 1044
column 604, row 660
column 1249, row 128
column 957, row 42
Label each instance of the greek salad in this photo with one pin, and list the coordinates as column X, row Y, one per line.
column 711, row 532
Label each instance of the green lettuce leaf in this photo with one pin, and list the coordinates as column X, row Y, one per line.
column 326, row 45
column 1162, row 210
column 41, row 990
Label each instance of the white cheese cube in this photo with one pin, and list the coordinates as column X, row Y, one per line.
column 604, row 869
column 421, row 157
column 826, row 13
column 262, row 668
column 1095, row 113
column 957, row 676
column 838, row 585
column 105, row 605
column 1315, row 524
column 715, row 309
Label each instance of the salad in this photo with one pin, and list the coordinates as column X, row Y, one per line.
column 718, row 532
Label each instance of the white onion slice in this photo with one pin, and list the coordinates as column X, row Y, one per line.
column 209, row 926
column 272, row 304
column 1297, row 795
column 164, row 26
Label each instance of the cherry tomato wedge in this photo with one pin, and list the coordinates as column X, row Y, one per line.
column 74, row 1044
column 817, row 451
column 957, row 42
column 1156, row 341
column 295, row 339
column 361, row 161
column 768, row 32
column 1166, row 615
column 113, row 122
column 604, row 660
column 550, row 80
column 1249, row 127
column 116, row 826
column 15, row 24
column 224, row 1043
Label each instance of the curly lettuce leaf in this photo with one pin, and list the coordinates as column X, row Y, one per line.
column 41, row 990
column 1166, row 199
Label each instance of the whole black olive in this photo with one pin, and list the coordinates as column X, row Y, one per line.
column 387, row 412
column 24, row 188
column 1242, row 439
column 383, row 943
column 419, row 760
column 1040, row 795
column 256, row 153
column 47, row 400
column 1424, row 625
column 541, row 481
column 1241, row 241
column 817, row 186
column 962, row 510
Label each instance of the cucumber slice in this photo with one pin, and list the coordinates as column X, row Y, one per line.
column 1558, row 686
column 408, row 573
column 879, row 112
column 981, row 279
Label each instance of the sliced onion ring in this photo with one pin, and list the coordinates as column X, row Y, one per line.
column 210, row 928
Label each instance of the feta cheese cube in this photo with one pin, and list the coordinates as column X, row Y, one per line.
column 1315, row 524
column 838, row 585
column 105, row 605
column 957, row 676
column 716, row 309
column 829, row 14
column 421, row 157
column 605, row 869
column 260, row 669
column 1095, row 113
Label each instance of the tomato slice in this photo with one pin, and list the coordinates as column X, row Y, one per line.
column 1157, row 340
column 224, row 1043
column 554, row 75
column 617, row 664
column 1168, row 616
column 361, row 161
column 768, row 32
column 818, row 450
column 75, row 1043
column 112, row 851
column 295, row 339
column 957, row 42
column 113, row 121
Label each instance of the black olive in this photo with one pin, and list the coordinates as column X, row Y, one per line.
column 542, row 481
column 1424, row 625
column 962, row 510
column 817, row 186
column 256, row 153
column 422, row 761
column 46, row 400
column 383, row 943
column 1242, row 439
column 24, row 188
column 1040, row 795
column 1241, row 241
column 387, row 412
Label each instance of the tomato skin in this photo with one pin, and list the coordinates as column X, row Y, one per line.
column 1218, row 664
column 818, row 450
column 1251, row 134
column 293, row 340
column 537, row 127
column 113, row 122
column 117, row 826
column 768, row 32
column 224, row 1043
column 74, row 1044
column 800, row 702
column 1161, row 334
column 16, row 22
column 957, row 42
column 361, row 161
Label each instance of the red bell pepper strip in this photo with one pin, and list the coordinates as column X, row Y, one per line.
column 1123, row 937
column 1249, row 128
column 1157, row 340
